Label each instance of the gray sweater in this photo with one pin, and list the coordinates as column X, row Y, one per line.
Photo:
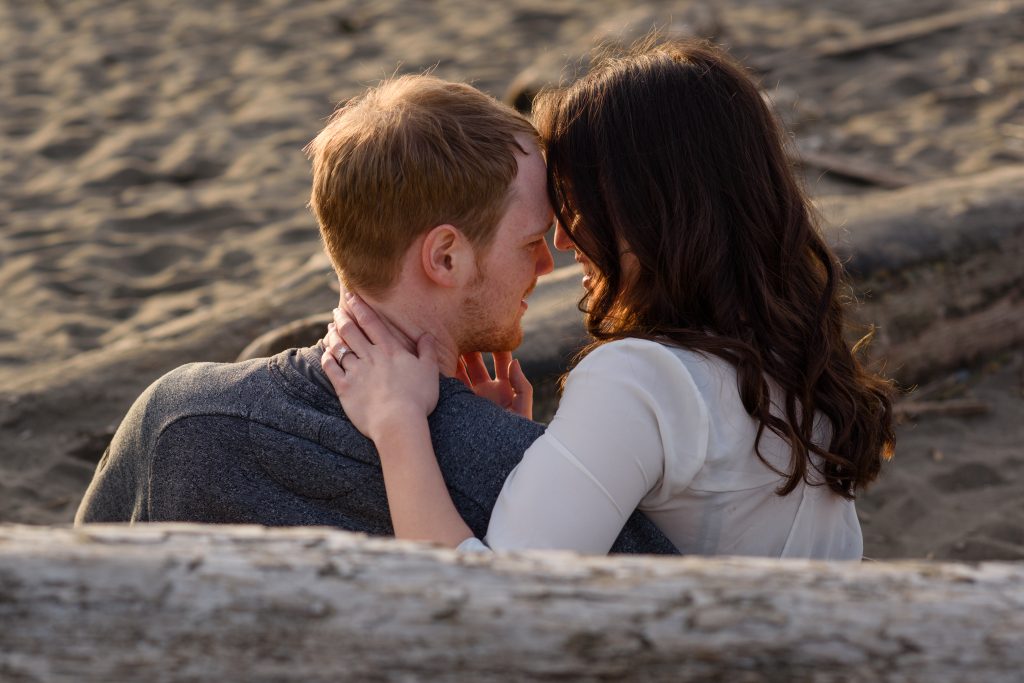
column 266, row 442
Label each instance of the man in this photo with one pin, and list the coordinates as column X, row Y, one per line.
column 432, row 204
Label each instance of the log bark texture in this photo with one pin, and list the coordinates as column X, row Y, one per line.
column 900, row 33
column 938, row 268
column 179, row 602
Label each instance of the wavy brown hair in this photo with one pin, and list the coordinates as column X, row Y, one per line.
column 668, row 152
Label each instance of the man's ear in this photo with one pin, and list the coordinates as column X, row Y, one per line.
column 447, row 256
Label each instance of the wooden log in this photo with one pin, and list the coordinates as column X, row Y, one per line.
column 858, row 170
column 302, row 332
column 937, row 269
column 889, row 35
column 180, row 602
column 963, row 407
column 914, row 29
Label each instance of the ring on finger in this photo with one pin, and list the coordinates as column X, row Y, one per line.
column 340, row 352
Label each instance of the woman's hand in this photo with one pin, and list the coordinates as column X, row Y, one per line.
column 509, row 387
column 381, row 385
column 387, row 392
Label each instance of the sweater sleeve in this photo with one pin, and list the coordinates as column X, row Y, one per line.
column 631, row 428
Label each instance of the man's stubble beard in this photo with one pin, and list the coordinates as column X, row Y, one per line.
column 479, row 331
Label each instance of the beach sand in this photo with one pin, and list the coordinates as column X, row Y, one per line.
column 153, row 190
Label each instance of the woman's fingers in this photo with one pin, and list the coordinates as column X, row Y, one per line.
column 476, row 368
column 502, row 359
column 333, row 339
column 370, row 323
column 334, row 343
column 350, row 334
column 334, row 373
column 522, row 404
column 461, row 374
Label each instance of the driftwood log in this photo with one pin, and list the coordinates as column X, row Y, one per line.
column 179, row 602
column 898, row 33
column 915, row 29
column 938, row 268
column 857, row 170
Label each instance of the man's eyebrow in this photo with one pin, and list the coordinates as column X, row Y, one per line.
column 543, row 231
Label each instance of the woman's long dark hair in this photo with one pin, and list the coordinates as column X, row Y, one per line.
column 668, row 152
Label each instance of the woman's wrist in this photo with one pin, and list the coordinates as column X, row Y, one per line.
column 396, row 427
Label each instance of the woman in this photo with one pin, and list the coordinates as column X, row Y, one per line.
column 718, row 395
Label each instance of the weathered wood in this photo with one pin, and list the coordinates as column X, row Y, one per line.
column 937, row 268
column 178, row 602
column 888, row 35
column 858, row 170
column 302, row 332
column 914, row 29
column 964, row 407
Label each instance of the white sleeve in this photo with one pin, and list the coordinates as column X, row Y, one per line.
column 630, row 426
column 472, row 545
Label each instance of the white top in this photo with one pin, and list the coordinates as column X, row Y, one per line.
column 642, row 425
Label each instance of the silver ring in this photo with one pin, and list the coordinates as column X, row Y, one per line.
column 341, row 354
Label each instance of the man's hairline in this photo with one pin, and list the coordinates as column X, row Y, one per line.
column 525, row 144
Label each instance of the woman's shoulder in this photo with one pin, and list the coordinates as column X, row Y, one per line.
column 663, row 372
column 635, row 355
column 657, row 370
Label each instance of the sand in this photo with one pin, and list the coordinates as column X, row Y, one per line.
column 153, row 190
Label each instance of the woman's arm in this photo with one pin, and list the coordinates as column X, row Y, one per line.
column 625, row 406
column 630, row 428
column 421, row 507
column 387, row 393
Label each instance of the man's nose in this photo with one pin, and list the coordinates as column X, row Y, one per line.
column 545, row 263
column 561, row 240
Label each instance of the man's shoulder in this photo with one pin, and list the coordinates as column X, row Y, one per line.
column 234, row 394
column 465, row 423
column 191, row 425
column 204, row 388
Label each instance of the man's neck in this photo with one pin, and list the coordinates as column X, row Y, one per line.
column 410, row 321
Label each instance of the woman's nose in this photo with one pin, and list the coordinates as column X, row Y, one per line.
column 562, row 241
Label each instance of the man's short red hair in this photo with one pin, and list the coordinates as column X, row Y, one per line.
column 410, row 154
